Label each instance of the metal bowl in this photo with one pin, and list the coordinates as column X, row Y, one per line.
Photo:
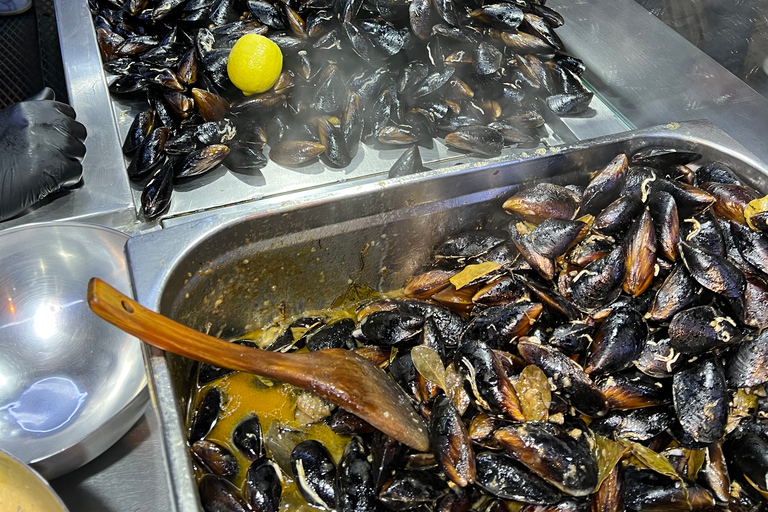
column 22, row 488
column 70, row 384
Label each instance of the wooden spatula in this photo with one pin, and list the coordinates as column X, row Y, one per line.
column 340, row 376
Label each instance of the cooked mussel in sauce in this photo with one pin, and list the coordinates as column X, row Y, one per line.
column 630, row 380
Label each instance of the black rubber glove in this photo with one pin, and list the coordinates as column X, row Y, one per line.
column 41, row 146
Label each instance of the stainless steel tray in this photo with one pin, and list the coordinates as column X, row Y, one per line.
column 109, row 118
column 228, row 272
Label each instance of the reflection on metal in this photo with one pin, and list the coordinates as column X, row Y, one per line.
column 652, row 75
column 46, row 405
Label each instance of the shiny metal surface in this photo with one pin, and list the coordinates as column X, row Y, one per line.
column 227, row 273
column 650, row 74
column 70, row 384
column 130, row 476
column 22, row 488
column 104, row 197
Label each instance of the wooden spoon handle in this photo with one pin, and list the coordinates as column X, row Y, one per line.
column 164, row 333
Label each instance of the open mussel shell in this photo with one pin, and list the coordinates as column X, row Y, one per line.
column 314, row 473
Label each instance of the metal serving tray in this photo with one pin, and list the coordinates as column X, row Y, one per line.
column 109, row 117
column 227, row 273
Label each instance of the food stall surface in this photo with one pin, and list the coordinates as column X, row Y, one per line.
column 643, row 73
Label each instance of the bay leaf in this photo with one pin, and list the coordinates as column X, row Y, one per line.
column 534, row 393
column 472, row 272
column 608, row 454
column 454, row 388
column 696, row 460
column 428, row 363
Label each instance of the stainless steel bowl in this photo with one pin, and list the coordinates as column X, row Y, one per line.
column 70, row 384
column 22, row 488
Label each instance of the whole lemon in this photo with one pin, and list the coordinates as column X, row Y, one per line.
column 254, row 64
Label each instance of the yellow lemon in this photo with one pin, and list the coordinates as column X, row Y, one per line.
column 254, row 64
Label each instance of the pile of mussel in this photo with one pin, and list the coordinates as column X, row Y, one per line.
column 384, row 72
column 604, row 350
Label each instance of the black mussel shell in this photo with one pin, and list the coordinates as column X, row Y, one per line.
column 636, row 424
column 334, row 335
column 408, row 163
column 205, row 416
column 314, row 473
column 572, row 338
column 747, row 365
column 711, row 271
column 701, row 329
column 543, row 201
column 490, row 383
column 618, row 342
column 677, row 292
column 247, row 438
column 554, row 237
column 605, row 185
column 647, row 490
column 214, row 458
column 632, row 390
column 140, row 128
column 150, row 154
column 218, row 493
column 663, row 157
column 504, row 477
column 263, row 486
column 542, row 448
column 156, row 195
column 200, row 161
column 451, row 443
column 570, row 103
column 390, row 328
column 497, row 326
column 409, row 488
column 667, row 223
column 600, row 282
column 700, row 397
column 354, row 479
column 618, row 216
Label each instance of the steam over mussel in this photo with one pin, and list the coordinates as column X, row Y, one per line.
column 564, row 355
column 387, row 72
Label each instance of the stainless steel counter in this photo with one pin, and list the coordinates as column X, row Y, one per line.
column 643, row 72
